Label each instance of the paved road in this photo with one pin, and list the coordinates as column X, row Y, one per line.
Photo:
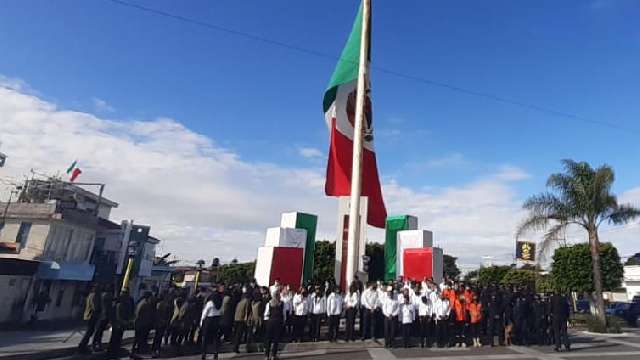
column 584, row 347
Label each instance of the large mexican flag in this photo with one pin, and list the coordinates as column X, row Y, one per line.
column 339, row 109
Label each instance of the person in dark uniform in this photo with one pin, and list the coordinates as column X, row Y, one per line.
column 144, row 321
column 522, row 313
column 540, row 321
column 106, row 316
column 559, row 317
column 123, row 316
column 164, row 311
column 495, row 323
column 241, row 318
column 92, row 310
column 274, row 315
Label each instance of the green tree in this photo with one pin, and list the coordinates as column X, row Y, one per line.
column 519, row 278
column 236, row 272
column 580, row 196
column 492, row 275
column 472, row 276
column 324, row 259
column 451, row 270
column 545, row 284
column 571, row 269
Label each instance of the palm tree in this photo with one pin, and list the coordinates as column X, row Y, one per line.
column 581, row 196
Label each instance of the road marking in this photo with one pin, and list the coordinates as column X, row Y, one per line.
column 596, row 354
column 534, row 353
column 380, row 354
column 620, row 342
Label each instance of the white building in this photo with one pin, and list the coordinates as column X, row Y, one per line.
column 631, row 281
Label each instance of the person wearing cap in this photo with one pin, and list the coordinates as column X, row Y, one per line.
column 390, row 311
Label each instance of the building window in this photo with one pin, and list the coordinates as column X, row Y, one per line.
column 23, row 233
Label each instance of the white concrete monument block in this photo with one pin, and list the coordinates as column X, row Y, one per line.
column 286, row 237
column 411, row 239
column 438, row 265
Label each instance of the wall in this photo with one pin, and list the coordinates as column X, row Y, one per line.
column 15, row 291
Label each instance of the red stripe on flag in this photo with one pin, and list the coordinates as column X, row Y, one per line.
column 75, row 174
column 338, row 182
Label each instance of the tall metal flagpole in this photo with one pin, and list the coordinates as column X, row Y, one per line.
column 356, row 171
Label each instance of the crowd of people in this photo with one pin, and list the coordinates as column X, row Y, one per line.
column 422, row 314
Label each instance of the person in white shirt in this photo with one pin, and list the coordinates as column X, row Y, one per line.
column 425, row 309
column 300, row 313
column 441, row 311
column 369, row 303
column 390, row 311
column 275, row 287
column 286, row 296
column 334, row 311
column 318, row 309
column 351, row 303
column 210, row 321
column 406, row 316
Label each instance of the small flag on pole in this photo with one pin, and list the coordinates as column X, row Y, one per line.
column 74, row 171
column 71, row 167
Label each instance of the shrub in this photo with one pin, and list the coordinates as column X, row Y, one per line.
column 614, row 325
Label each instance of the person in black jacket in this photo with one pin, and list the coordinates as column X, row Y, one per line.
column 275, row 316
column 559, row 317
column 521, row 319
column 495, row 322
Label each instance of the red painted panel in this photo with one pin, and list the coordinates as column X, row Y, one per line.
column 418, row 264
column 345, row 251
column 286, row 265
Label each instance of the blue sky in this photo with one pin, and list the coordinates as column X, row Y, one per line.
column 263, row 102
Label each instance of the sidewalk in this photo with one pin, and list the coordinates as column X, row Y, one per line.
column 45, row 344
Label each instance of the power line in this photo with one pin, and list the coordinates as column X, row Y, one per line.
column 492, row 97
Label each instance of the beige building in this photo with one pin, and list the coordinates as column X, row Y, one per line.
column 45, row 253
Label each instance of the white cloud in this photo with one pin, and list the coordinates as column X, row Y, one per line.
column 203, row 200
column 449, row 160
column 310, row 153
column 512, row 173
column 102, row 106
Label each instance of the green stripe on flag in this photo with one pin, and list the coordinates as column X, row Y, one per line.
column 347, row 68
column 73, row 166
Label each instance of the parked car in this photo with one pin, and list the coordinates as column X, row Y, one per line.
column 617, row 309
column 632, row 314
column 582, row 306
